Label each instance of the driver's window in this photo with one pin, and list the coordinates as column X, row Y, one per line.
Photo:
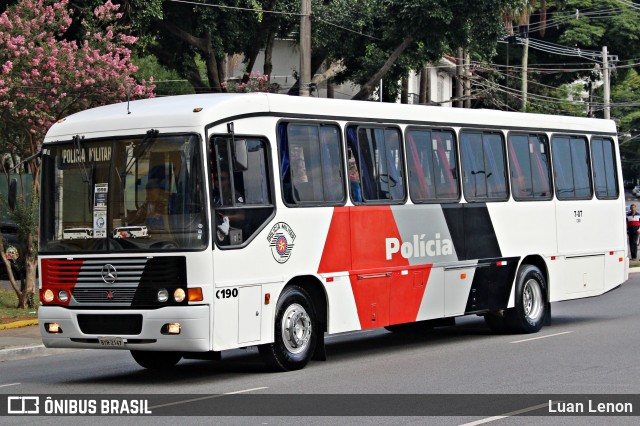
column 241, row 196
column 379, row 162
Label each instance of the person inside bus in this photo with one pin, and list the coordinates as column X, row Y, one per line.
column 222, row 197
column 354, row 179
column 153, row 211
column 633, row 228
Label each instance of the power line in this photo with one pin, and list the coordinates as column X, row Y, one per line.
column 247, row 9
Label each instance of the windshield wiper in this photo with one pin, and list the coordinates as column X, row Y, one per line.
column 141, row 149
column 81, row 163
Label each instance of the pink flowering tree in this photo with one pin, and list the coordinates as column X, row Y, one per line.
column 256, row 82
column 46, row 77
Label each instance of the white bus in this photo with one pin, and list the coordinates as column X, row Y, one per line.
column 74, row 233
column 274, row 220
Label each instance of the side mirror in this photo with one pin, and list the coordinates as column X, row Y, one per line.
column 241, row 155
column 13, row 193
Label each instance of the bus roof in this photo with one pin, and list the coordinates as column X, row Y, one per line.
column 180, row 113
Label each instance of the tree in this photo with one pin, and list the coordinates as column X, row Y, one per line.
column 46, row 76
column 390, row 37
column 184, row 35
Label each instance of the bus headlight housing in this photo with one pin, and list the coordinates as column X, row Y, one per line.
column 163, row 295
column 48, row 296
column 63, row 296
column 179, row 295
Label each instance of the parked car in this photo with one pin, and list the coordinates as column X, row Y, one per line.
column 636, row 190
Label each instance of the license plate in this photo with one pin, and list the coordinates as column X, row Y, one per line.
column 110, row 341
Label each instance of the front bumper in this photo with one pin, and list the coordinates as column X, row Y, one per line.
column 195, row 334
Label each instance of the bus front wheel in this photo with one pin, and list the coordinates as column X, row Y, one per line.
column 296, row 332
column 156, row 360
column 527, row 316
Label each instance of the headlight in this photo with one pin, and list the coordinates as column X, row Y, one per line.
column 63, row 296
column 179, row 295
column 48, row 296
column 163, row 295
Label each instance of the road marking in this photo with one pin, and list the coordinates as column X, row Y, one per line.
column 513, row 413
column 9, row 384
column 207, row 397
column 542, row 337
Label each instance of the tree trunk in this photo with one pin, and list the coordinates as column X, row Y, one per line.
column 459, row 78
column 26, row 299
column 425, row 88
column 331, row 90
column 404, row 92
column 265, row 28
column 318, row 56
column 268, row 54
column 367, row 88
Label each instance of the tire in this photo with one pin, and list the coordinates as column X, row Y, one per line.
column 156, row 360
column 295, row 332
column 528, row 314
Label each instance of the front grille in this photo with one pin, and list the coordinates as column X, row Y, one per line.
column 110, row 324
column 132, row 281
column 104, row 295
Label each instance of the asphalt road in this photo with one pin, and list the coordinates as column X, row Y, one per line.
column 591, row 347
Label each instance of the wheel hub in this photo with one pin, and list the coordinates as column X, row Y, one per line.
column 296, row 328
column 532, row 300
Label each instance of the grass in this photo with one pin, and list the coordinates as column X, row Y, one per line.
column 9, row 312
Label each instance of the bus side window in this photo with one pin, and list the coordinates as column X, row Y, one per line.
column 483, row 166
column 431, row 164
column 571, row 168
column 311, row 168
column 529, row 164
column 379, row 162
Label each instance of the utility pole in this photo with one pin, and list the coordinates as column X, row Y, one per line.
column 467, row 79
column 523, row 29
column 305, row 47
column 525, row 63
column 607, row 89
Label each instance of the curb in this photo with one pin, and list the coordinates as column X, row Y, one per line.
column 18, row 324
column 25, row 352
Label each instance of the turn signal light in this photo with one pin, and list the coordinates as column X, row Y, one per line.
column 195, row 294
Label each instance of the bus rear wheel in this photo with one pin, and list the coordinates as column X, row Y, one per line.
column 156, row 360
column 528, row 314
column 296, row 332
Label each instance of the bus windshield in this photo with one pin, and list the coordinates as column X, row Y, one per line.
column 141, row 193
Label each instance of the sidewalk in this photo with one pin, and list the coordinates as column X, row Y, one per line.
column 21, row 340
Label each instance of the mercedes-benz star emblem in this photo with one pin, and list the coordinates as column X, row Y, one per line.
column 109, row 274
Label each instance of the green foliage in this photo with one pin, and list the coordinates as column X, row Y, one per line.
column 436, row 28
column 167, row 81
column 625, row 94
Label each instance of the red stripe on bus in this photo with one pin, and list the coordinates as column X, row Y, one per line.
column 385, row 291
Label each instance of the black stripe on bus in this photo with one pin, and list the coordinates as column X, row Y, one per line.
column 471, row 231
column 491, row 285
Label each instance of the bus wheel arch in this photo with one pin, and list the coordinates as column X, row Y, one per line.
column 531, row 300
column 515, row 320
column 300, row 321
